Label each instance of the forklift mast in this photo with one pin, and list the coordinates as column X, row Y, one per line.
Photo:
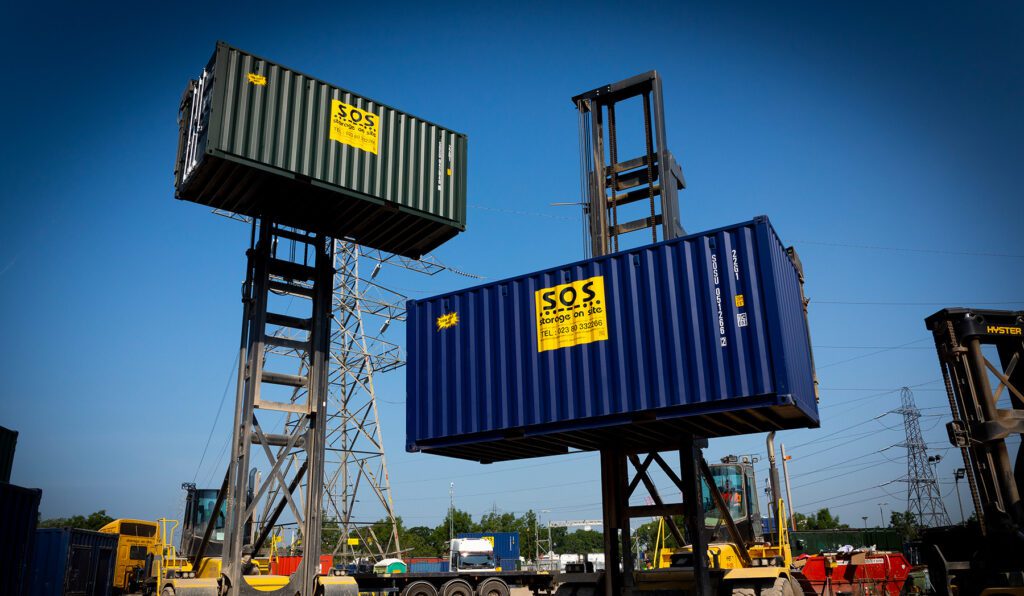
column 980, row 353
column 648, row 184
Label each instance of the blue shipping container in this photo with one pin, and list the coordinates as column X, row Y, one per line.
column 506, row 547
column 19, row 513
column 705, row 334
column 442, row 567
column 73, row 562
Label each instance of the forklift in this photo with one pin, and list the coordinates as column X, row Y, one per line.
column 980, row 353
column 723, row 521
column 751, row 560
column 736, row 558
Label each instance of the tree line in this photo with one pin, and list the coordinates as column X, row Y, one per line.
column 431, row 541
column 427, row 541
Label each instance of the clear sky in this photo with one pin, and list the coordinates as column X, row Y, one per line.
column 883, row 139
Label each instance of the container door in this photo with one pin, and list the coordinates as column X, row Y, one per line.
column 77, row 579
column 101, row 587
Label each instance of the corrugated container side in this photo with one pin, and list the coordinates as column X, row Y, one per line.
column 19, row 514
column 73, row 562
column 263, row 139
column 414, row 560
column 442, row 567
column 8, row 445
column 506, row 544
column 795, row 367
column 705, row 334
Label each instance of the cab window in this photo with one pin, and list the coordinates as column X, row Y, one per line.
column 137, row 553
column 136, row 529
column 206, row 499
column 730, row 483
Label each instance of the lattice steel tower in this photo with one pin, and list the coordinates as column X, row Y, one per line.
column 356, row 464
column 924, row 500
column 356, row 501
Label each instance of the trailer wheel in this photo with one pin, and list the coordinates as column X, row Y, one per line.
column 492, row 587
column 457, row 587
column 419, row 588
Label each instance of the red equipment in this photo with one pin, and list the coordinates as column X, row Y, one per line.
column 870, row 573
column 288, row 565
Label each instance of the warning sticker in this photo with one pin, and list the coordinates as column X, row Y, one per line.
column 355, row 127
column 447, row 321
column 571, row 314
column 257, row 79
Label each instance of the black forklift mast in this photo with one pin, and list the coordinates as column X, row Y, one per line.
column 967, row 558
column 651, row 179
column 609, row 185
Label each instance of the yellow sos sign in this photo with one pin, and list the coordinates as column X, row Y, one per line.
column 571, row 314
column 353, row 126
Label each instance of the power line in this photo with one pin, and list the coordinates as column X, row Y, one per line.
column 937, row 251
column 819, row 347
column 216, row 418
column 870, row 354
column 842, row 430
column 942, row 303
column 877, row 395
column 848, row 493
column 498, row 471
column 525, row 213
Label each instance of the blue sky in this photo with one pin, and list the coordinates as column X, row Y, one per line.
column 883, row 141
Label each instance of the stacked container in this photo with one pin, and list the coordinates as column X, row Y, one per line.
column 506, row 547
column 73, row 562
column 259, row 139
column 705, row 334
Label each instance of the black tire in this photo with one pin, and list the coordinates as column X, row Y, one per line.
column 492, row 587
column 419, row 588
column 783, row 586
column 457, row 587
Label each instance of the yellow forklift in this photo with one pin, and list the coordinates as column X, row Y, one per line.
column 722, row 521
column 755, row 562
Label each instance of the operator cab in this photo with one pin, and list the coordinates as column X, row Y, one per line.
column 735, row 480
column 199, row 504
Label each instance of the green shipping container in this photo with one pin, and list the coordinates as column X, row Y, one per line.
column 262, row 140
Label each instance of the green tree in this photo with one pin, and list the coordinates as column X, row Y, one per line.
column 905, row 523
column 457, row 522
column 647, row 535
column 822, row 520
column 581, row 542
column 417, row 542
column 330, row 533
column 94, row 521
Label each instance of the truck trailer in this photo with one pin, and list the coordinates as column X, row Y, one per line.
column 473, row 570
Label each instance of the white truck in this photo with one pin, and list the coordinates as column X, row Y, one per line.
column 472, row 554
column 472, row 571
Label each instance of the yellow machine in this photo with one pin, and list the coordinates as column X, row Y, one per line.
column 170, row 574
column 137, row 540
column 748, row 561
column 149, row 563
